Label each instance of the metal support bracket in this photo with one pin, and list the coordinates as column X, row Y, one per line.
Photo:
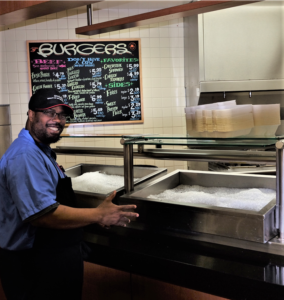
column 128, row 168
column 128, row 161
column 90, row 14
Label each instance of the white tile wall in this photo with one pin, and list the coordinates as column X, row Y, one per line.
column 162, row 69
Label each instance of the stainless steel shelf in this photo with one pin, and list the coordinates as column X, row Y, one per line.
column 248, row 157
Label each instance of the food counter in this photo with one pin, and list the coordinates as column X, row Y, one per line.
column 227, row 266
column 229, row 272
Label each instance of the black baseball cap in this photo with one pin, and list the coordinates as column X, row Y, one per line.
column 48, row 98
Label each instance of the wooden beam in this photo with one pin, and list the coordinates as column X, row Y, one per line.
column 18, row 11
column 11, row 6
column 185, row 10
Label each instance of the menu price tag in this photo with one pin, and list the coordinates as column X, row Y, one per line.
column 100, row 80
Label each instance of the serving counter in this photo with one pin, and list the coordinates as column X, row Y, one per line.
column 228, row 266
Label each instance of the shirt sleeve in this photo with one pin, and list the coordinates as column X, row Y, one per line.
column 41, row 213
column 30, row 183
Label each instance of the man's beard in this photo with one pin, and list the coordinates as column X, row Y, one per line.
column 42, row 135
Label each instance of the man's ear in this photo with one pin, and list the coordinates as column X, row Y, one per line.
column 31, row 115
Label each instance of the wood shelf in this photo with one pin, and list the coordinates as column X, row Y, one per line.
column 12, row 12
column 11, row 6
column 166, row 14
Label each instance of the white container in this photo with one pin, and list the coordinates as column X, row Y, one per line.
column 227, row 104
column 236, row 118
column 225, row 123
column 266, row 120
column 226, row 119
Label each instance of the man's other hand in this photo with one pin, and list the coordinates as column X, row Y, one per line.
column 111, row 214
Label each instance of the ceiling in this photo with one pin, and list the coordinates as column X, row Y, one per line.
column 12, row 12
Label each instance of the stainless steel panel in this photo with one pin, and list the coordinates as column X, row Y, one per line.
column 191, row 60
column 227, row 222
column 5, row 115
column 87, row 199
column 241, row 85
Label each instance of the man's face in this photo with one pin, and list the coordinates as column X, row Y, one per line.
column 46, row 129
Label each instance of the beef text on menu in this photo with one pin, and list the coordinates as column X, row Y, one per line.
column 100, row 80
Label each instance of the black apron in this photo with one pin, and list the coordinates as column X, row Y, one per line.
column 53, row 269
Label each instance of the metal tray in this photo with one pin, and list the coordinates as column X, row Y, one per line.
column 179, row 217
column 88, row 199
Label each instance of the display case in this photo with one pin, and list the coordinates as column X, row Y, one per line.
column 238, row 150
column 207, row 262
column 268, row 150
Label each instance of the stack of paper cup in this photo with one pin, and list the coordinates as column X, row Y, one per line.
column 266, row 120
column 233, row 122
column 199, row 119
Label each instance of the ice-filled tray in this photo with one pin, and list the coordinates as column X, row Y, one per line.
column 156, row 214
column 93, row 199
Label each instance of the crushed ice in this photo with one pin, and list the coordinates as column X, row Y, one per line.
column 253, row 199
column 97, row 182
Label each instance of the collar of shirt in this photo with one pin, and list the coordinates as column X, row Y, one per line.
column 48, row 151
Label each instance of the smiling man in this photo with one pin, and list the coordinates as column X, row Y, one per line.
column 40, row 226
column 47, row 126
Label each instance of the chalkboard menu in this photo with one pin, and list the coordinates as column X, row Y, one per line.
column 100, row 80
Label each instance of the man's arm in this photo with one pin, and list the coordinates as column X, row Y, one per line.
column 106, row 214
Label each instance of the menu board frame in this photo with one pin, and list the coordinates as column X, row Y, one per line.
column 97, row 41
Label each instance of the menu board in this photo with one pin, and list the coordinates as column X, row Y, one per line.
column 100, row 80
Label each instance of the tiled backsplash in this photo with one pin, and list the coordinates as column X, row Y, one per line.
column 162, row 69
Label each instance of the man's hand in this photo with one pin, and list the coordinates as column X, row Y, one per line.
column 106, row 214
column 111, row 214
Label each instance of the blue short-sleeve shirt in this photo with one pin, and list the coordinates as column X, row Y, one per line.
column 28, row 181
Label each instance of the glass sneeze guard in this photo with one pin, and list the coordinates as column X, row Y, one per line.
column 184, row 140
